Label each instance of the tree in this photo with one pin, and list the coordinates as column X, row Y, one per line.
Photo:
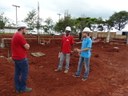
column 49, row 25
column 119, row 19
column 2, row 24
column 3, row 21
column 109, row 23
column 99, row 20
column 83, row 22
column 32, row 21
column 78, row 24
column 63, row 22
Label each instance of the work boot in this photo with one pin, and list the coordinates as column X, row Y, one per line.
column 66, row 71
column 57, row 70
column 74, row 75
column 84, row 78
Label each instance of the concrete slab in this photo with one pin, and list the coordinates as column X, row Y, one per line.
column 37, row 54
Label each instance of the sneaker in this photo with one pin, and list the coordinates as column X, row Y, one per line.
column 57, row 70
column 66, row 71
column 28, row 89
column 76, row 75
column 84, row 79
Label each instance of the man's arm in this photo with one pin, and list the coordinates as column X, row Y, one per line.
column 81, row 50
column 89, row 45
column 27, row 46
column 78, row 42
column 72, row 44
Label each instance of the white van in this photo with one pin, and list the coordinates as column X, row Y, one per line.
column 32, row 32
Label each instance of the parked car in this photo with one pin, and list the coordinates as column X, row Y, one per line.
column 32, row 32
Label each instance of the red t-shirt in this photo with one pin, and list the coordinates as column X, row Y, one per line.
column 67, row 42
column 17, row 46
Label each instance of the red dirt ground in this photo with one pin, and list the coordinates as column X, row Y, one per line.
column 108, row 75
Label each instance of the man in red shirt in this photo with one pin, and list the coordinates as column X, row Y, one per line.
column 19, row 48
column 66, row 46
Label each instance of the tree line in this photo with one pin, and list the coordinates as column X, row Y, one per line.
column 117, row 20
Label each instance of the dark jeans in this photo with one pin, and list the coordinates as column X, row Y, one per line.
column 21, row 74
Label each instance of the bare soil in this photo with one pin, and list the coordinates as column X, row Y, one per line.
column 108, row 74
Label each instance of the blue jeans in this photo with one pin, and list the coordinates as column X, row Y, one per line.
column 21, row 74
column 62, row 57
column 86, row 62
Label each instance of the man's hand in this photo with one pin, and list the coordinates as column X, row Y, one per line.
column 77, row 50
column 27, row 46
column 78, row 42
column 59, row 54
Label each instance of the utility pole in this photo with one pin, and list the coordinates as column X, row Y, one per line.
column 59, row 15
column 38, row 24
column 16, row 6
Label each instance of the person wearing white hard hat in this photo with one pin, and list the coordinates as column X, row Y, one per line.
column 19, row 47
column 85, row 54
column 66, row 47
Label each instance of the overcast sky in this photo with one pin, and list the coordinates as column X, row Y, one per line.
column 50, row 8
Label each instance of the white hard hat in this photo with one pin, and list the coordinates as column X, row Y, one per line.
column 86, row 29
column 22, row 24
column 68, row 28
